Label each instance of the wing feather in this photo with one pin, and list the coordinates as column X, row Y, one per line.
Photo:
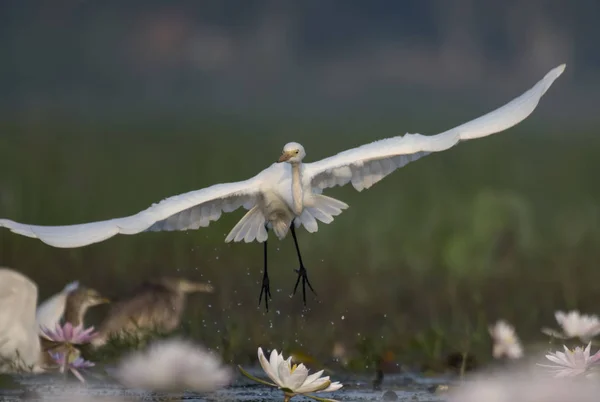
column 191, row 210
column 366, row 165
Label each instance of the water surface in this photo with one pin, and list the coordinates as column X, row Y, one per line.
column 406, row 387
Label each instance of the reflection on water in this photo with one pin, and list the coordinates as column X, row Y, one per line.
column 50, row 387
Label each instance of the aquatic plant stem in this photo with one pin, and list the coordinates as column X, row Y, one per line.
column 316, row 398
column 463, row 365
column 258, row 380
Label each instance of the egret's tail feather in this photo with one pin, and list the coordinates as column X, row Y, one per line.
column 307, row 219
column 251, row 227
column 280, row 228
column 322, row 208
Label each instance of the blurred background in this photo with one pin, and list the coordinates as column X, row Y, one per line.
column 107, row 107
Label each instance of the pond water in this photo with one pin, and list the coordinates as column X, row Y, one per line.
column 47, row 387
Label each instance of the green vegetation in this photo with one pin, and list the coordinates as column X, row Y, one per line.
column 503, row 227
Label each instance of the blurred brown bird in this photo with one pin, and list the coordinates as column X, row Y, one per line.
column 155, row 305
column 78, row 303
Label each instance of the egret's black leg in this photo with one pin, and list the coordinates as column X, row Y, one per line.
column 265, row 282
column 302, row 274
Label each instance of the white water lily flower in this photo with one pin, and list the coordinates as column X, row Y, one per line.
column 572, row 363
column 292, row 379
column 505, row 340
column 576, row 325
column 174, row 365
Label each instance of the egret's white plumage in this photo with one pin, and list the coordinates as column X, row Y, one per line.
column 50, row 312
column 286, row 192
column 19, row 341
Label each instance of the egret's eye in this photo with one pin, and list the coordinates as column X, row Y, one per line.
column 297, row 151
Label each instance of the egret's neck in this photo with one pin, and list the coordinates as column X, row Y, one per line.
column 297, row 188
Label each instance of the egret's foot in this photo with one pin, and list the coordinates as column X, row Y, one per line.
column 266, row 290
column 302, row 274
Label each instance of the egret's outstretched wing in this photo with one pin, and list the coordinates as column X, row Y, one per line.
column 19, row 342
column 181, row 212
column 367, row 164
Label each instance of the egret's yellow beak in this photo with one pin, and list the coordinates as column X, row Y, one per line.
column 285, row 156
column 104, row 300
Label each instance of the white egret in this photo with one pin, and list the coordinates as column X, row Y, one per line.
column 19, row 341
column 50, row 312
column 287, row 195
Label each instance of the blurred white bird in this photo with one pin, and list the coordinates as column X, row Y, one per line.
column 50, row 312
column 287, row 195
column 174, row 365
column 19, row 341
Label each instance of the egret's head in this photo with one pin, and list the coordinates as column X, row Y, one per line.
column 292, row 153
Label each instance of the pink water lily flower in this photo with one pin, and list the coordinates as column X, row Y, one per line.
column 69, row 334
column 69, row 361
column 572, row 363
